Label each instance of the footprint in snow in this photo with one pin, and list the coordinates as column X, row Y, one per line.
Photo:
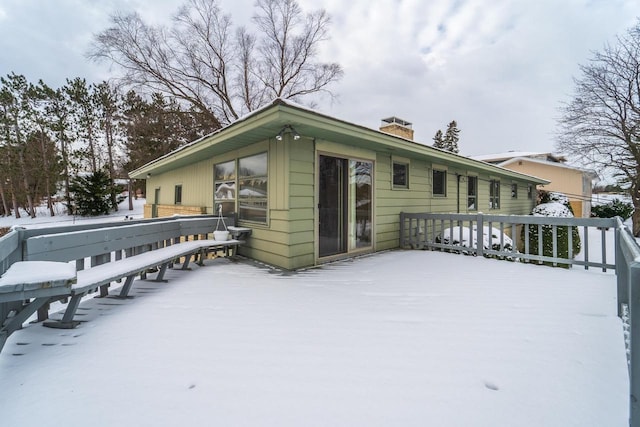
column 491, row 386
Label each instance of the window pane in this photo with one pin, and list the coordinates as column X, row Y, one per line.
column 494, row 194
column 439, row 182
column 360, row 178
column 225, row 171
column 225, row 187
column 178, row 195
column 472, row 193
column 252, row 181
column 400, row 173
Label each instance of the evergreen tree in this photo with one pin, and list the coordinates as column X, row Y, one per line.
column 438, row 141
column 92, row 194
column 452, row 137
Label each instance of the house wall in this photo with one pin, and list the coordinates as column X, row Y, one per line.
column 390, row 202
column 288, row 239
column 571, row 182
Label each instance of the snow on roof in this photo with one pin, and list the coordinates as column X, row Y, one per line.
column 507, row 155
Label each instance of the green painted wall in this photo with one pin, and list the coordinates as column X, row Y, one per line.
column 288, row 238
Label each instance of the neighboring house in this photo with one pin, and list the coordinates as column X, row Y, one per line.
column 576, row 183
column 314, row 188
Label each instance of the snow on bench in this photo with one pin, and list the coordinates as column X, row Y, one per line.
column 27, row 286
column 90, row 279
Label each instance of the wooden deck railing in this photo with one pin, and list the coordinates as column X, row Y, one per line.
column 509, row 236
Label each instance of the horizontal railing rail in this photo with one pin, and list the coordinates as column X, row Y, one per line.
column 13, row 248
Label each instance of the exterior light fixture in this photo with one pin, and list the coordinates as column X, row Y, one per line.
column 287, row 129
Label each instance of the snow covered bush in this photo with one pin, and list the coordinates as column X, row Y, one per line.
column 557, row 206
column 615, row 208
column 452, row 236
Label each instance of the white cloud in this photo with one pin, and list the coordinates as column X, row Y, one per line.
column 500, row 68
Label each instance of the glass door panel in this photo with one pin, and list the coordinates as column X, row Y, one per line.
column 332, row 204
column 360, row 204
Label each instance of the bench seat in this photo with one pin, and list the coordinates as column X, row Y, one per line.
column 26, row 287
column 89, row 280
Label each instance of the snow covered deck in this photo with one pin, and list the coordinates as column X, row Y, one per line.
column 404, row 338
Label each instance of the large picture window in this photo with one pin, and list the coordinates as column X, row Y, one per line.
column 439, row 182
column 494, row 194
column 252, row 183
column 225, row 190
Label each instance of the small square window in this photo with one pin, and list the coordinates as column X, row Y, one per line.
column 400, row 175
column 439, row 182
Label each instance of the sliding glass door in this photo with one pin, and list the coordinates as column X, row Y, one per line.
column 345, row 205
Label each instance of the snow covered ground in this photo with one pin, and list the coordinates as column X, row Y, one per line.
column 402, row 338
column 43, row 219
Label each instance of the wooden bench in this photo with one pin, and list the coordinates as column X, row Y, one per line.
column 27, row 286
column 123, row 252
column 94, row 278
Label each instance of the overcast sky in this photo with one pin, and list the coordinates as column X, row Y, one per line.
column 500, row 68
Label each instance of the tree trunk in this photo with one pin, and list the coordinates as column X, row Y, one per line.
column 130, row 191
column 14, row 200
column 3, row 198
column 47, row 180
column 109, row 138
column 25, row 182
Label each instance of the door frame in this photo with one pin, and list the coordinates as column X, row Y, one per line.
column 349, row 252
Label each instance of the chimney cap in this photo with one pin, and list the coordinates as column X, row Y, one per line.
column 397, row 120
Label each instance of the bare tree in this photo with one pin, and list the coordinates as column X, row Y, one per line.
column 222, row 73
column 600, row 126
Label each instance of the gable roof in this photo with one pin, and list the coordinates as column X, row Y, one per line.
column 266, row 122
column 499, row 157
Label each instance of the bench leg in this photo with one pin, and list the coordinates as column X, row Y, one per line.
column 3, row 339
column 16, row 321
column 67, row 321
column 160, row 276
column 124, row 292
column 104, row 290
column 43, row 313
column 201, row 255
column 187, row 258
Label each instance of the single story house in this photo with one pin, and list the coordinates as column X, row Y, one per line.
column 575, row 183
column 314, row 188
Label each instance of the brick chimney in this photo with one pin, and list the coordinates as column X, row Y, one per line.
column 398, row 127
